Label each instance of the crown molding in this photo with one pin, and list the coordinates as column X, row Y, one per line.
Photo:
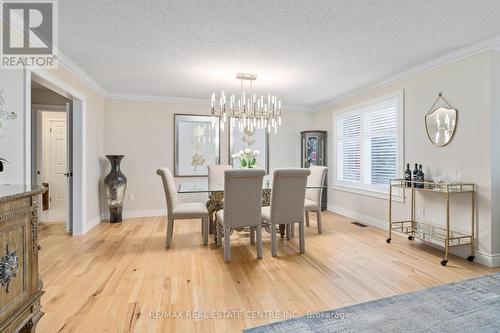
column 66, row 63
column 192, row 101
column 157, row 98
column 491, row 43
column 75, row 70
column 488, row 44
column 298, row 108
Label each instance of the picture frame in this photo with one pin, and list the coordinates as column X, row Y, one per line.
column 196, row 144
column 238, row 141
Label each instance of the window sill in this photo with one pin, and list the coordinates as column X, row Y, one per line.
column 398, row 197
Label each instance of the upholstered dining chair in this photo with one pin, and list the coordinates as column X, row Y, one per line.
column 216, row 181
column 242, row 207
column 287, row 204
column 313, row 195
column 181, row 211
column 216, row 174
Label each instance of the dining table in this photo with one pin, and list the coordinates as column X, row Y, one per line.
column 215, row 202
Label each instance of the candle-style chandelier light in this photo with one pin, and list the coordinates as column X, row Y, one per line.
column 247, row 111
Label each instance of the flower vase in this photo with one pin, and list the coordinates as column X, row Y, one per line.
column 115, row 184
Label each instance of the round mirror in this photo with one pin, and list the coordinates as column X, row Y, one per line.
column 440, row 125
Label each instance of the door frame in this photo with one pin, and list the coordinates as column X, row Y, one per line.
column 79, row 129
column 39, row 120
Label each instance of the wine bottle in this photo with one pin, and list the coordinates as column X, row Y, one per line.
column 421, row 176
column 415, row 175
column 408, row 175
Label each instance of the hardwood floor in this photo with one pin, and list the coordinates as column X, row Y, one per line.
column 120, row 277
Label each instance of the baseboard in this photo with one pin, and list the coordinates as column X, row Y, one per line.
column 91, row 224
column 490, row 260
column 483, row 258
column 129, row 214
column 372, row 221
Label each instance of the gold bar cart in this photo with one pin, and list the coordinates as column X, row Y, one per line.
column 431, row 233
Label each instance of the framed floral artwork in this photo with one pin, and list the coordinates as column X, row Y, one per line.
column 196, row 144
column 249, row 148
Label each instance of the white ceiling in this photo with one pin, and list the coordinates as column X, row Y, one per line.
column 306, row 52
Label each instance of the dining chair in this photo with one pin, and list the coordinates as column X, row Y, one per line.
column 287, row 204
column 216, row 174
column 313, row 195
column 216, row 181
column 242, row 207
column 181, row 211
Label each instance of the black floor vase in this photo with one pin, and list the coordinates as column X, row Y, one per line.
column 115, row 184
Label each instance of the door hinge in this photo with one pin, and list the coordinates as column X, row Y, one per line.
column 51, row 130
column 50, row 199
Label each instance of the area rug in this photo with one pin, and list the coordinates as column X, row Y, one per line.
column 466, row 306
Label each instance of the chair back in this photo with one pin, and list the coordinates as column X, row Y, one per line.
column 317, row 178
column 216, row 175
column 169, row 188
column 243, row 197
column 288, row 195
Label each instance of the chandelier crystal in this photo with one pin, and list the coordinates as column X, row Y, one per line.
column 246, row 110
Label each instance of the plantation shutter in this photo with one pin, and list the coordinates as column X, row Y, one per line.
column 381, row 142
column 348, row 129
column 367, row 144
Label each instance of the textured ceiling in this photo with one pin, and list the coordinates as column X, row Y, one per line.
column 306, row 52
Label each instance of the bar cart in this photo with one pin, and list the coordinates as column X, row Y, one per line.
column 431, row 233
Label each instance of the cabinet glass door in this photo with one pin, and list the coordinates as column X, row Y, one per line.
column 312, row 151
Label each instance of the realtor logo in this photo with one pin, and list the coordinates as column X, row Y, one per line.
column 29, row 35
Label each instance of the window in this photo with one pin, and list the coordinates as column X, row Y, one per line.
column 368, row 144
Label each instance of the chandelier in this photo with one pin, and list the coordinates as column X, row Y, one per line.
column 246, row 110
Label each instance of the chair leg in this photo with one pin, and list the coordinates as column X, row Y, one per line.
column 170, row 229
column 227, row 244
column 259, row 241
column 204, row 226
column 292, row 230
column 274, row 246
column 288, row 231
column 301, row 237
column 252, row 235
column 307, row 219
column 219, row 234
column 318, row 218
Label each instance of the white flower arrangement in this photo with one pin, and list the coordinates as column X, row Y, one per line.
column 247, row 158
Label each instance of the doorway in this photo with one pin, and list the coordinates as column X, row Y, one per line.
column 51, row 152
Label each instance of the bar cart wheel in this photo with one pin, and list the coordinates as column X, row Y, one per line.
column 444, row 262
column 470, row 258
column 411, row 238
column 388, row 240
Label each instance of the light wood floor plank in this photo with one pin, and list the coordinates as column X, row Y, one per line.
column 114, row 277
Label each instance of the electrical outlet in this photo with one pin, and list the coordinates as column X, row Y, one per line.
column 131, row 196
column 421, row 213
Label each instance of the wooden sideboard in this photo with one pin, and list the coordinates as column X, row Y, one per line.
column 20, row 284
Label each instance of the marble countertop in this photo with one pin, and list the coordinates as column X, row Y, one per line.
column 14, row 192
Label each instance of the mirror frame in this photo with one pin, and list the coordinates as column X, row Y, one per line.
column 454, row 130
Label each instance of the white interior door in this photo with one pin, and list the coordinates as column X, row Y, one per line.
column 58, row 164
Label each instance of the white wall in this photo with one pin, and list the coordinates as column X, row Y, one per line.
column 144, row 132
column 467, row 85
column 495, row 153
column 12, row 142
column 47, row 97
column 93, row 145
